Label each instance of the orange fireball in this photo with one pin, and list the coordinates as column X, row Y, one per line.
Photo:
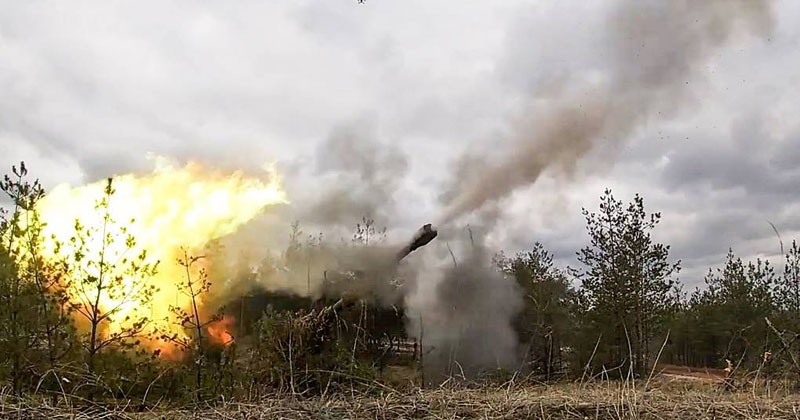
column 173, row 208
column 220, row 332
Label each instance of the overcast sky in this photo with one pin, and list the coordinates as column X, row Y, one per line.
column 374, row 108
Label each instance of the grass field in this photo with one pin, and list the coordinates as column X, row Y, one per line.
column 665, row 398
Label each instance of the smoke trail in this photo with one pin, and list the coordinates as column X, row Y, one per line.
column 655, row 49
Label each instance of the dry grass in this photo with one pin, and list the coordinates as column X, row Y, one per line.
column 613, row 400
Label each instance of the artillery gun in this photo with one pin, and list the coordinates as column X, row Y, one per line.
column 423, row 237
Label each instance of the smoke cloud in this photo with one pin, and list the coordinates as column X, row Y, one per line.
column 655, row 48
column 461, row 310
column 362, row 173
column 311, row 265
column 458, row 304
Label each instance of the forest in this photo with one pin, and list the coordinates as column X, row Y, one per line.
column 71, row 334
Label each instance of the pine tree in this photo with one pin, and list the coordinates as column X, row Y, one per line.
column 731, row 311
column 105, row 282
column 195, row 286
column 37, row 332
column 787, row 289
column 627, row 280
column 17, row 292
column 544, row 324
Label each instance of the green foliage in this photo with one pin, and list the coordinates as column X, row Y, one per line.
column 787, row 288
column 108, row 281
column 626, row 281
column 627, row 301
column 17, row 290
column 35, row 328
column 545, row 323
column 727, row 317
column 194, row 345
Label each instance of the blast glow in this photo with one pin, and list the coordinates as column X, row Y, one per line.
column 173, row 208
column 220, row 332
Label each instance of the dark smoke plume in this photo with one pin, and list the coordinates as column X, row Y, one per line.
column 462, row 313
column 655, row 47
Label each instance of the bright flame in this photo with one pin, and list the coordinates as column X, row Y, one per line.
column 219, row 332
column 172, row 209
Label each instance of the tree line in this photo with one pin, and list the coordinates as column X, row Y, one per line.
column 623, row 309
column 617, row 314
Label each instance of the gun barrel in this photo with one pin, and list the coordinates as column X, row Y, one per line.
column 423, row 237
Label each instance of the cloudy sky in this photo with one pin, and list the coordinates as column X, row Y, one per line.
column 385, row 108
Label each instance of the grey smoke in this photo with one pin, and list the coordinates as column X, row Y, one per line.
column 351, row 175
column 362, row 173
column 651, row 54
column 645, row 69
column 368, row 272
column 653, row 51
column 315, row 266
column 461, row 311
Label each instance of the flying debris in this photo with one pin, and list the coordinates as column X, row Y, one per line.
column 423, row 236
